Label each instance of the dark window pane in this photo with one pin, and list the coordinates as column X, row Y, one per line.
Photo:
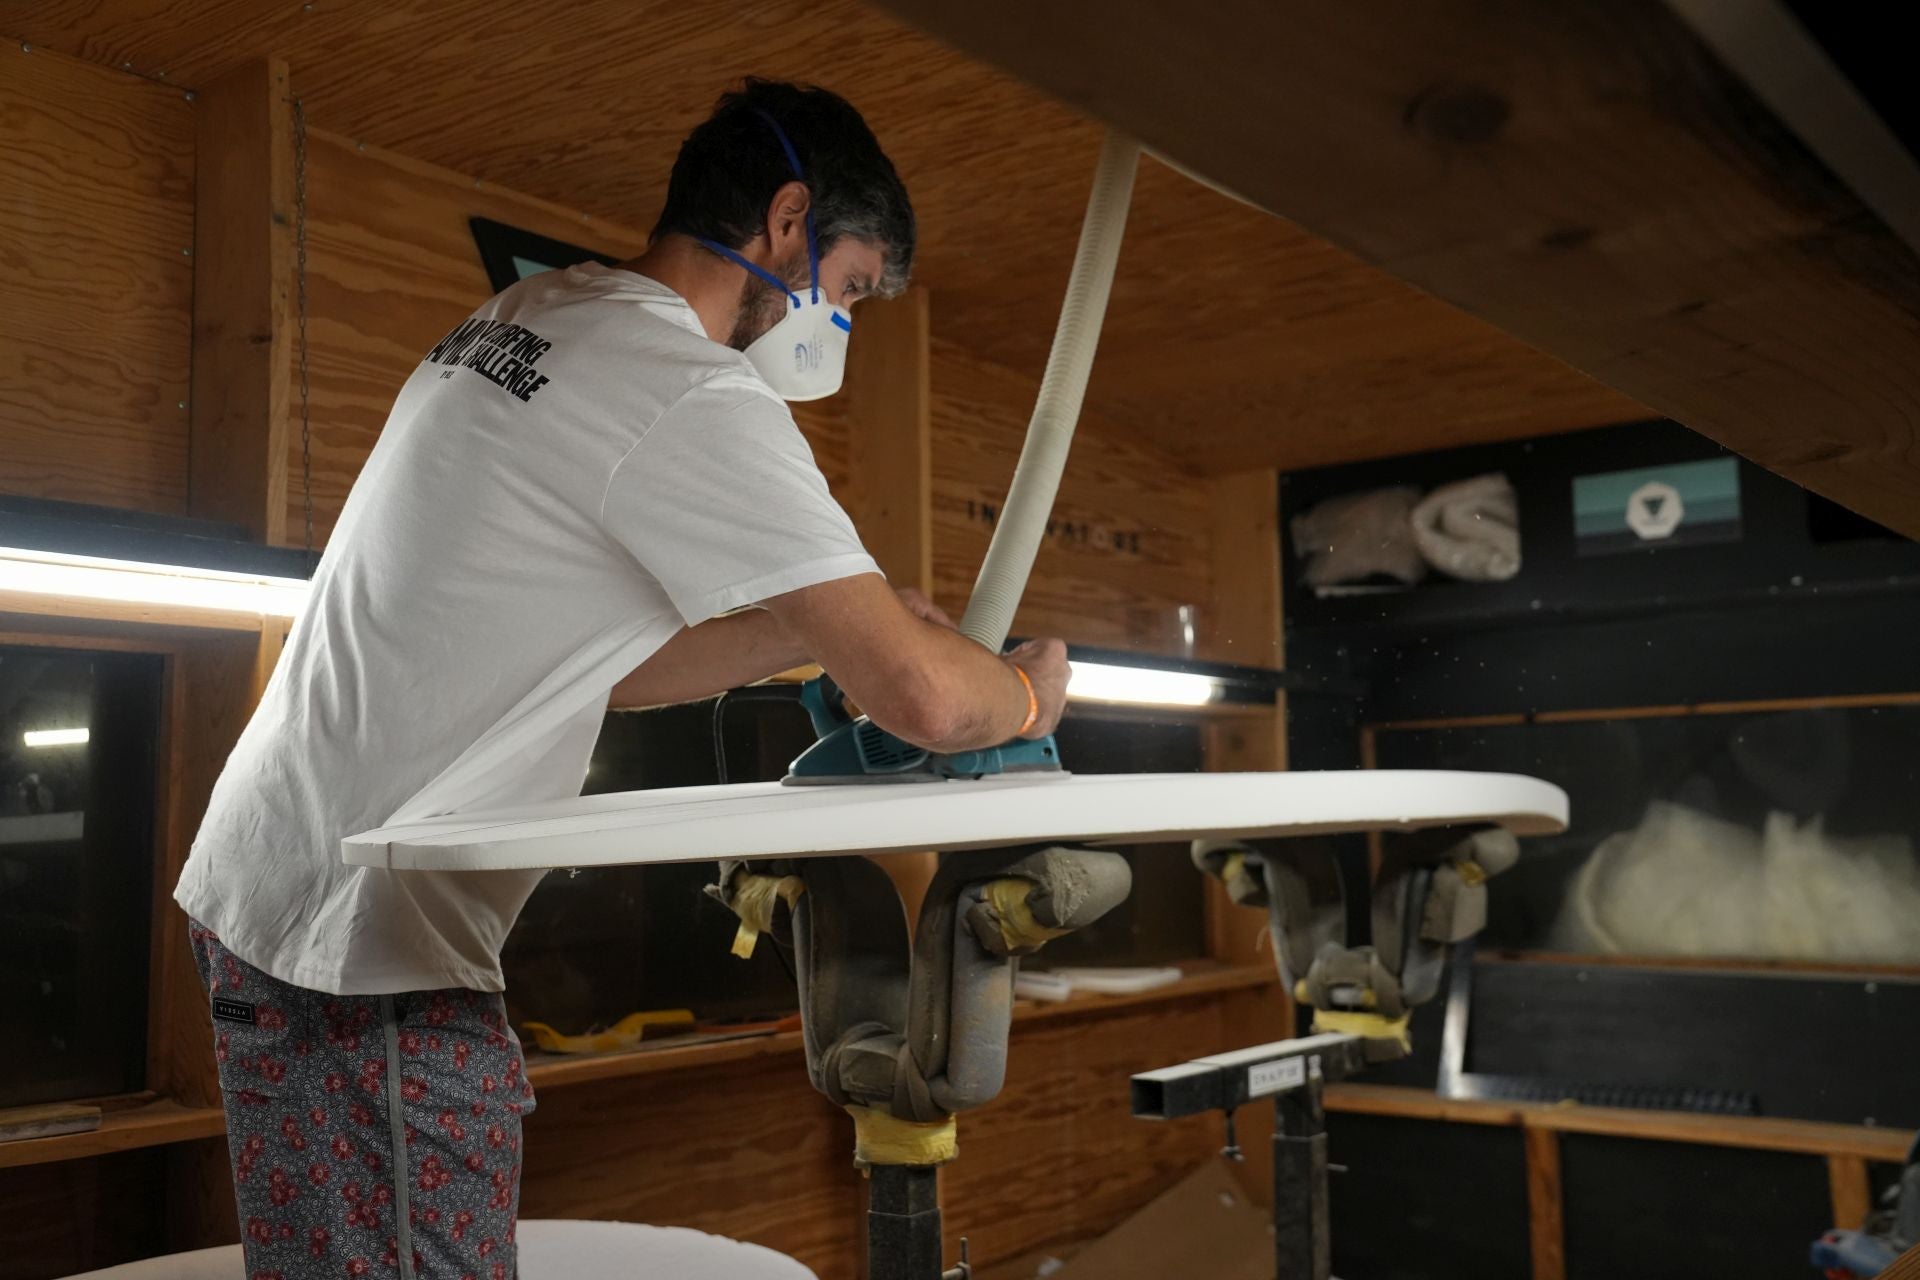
column 78, row 737
column 1775, row 834
column 1164, row 918
column 594, row 946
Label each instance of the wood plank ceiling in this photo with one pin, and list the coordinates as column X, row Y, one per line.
column 1235, row 340
column 1589, row 175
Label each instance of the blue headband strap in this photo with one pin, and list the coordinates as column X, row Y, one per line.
column 793, row 159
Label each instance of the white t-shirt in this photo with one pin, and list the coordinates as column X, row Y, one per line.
column 568, row 479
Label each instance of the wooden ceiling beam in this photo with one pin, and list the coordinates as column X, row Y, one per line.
column 1588, row 177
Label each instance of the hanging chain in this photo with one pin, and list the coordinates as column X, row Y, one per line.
column 300, row 284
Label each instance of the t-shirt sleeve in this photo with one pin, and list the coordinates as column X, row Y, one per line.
column 722, row 503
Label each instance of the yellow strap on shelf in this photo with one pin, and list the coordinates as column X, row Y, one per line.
column 753, row 902
column 1368, row 1026
column 1018, row 928
column 879, row 1138
column 623, row 1034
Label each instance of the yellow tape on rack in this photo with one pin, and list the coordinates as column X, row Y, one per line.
column 1368, row 1026
column 754, row 901
column 879, row 1138
column 623, row 1034
column 1018, row 929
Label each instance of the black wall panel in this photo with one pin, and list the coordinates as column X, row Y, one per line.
column 1427, row 1200
column 1809, row 1048
column 1674, row 1211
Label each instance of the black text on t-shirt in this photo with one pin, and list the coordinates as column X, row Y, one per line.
column 501, row 352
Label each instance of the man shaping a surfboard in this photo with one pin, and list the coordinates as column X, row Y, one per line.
column 574, row 499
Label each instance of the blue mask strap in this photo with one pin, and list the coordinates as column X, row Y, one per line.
column 793, row 160
column 739, row 261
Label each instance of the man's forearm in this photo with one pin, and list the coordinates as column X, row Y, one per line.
column 976, row 699
column 720, row 653
column 920, row 680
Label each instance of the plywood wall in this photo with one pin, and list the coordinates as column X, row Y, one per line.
column 392, row 268
column 96, row 208
column 1128, row 546
column 96, row 283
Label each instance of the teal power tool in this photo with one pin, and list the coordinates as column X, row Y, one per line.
column 857, row 750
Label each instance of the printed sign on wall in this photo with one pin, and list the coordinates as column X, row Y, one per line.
column 1080, row 533
column 1679, row 504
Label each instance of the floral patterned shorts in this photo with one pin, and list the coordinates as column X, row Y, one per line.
column 369, row 1134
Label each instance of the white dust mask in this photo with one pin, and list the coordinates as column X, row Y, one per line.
column 804, row 355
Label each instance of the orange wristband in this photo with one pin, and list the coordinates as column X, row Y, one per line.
column 1033, row 702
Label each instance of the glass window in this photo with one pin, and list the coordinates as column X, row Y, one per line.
column 1775, row 834
column 595, row 945
column 1164, row 918
column 78, row 746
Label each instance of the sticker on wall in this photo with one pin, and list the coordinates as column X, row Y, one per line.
column 1680, row 504
column 511, row 254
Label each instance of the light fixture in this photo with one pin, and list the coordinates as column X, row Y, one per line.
column 1105, row 682
column 93, row 553
column 1147, row 680
column 134, row 582
column 55, row 737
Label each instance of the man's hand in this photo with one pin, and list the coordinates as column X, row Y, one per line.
column 899, row 661
column 1045, row 662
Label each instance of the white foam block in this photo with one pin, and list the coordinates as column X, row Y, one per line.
column 767, row 820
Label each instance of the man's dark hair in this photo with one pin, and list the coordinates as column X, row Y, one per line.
column 729, row 167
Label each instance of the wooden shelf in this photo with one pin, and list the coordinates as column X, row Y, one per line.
column 1705, row 964
column 552, row 1070
column 160, row 1121
column 546, row 1071
column 1763, row 1133
column 1203, row 978
column 148, row 1125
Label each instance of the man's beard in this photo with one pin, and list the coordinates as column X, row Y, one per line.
column 762, row 306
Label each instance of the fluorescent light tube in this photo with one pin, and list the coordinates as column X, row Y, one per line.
column 1103, row 682
column 50, row 574
column 55, row 737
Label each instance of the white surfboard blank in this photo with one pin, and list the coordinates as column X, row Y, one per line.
column 767, row 820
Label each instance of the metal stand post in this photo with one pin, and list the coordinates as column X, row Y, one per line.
column 1302, row 1243
column 903, row 1222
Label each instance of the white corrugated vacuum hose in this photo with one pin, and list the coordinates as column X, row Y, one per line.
column 1023, row 518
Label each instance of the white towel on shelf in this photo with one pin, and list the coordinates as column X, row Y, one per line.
column 1470, row 529
column 1357, row 536
column 1686, row 883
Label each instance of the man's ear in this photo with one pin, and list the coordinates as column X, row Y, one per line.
column 787, row 215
